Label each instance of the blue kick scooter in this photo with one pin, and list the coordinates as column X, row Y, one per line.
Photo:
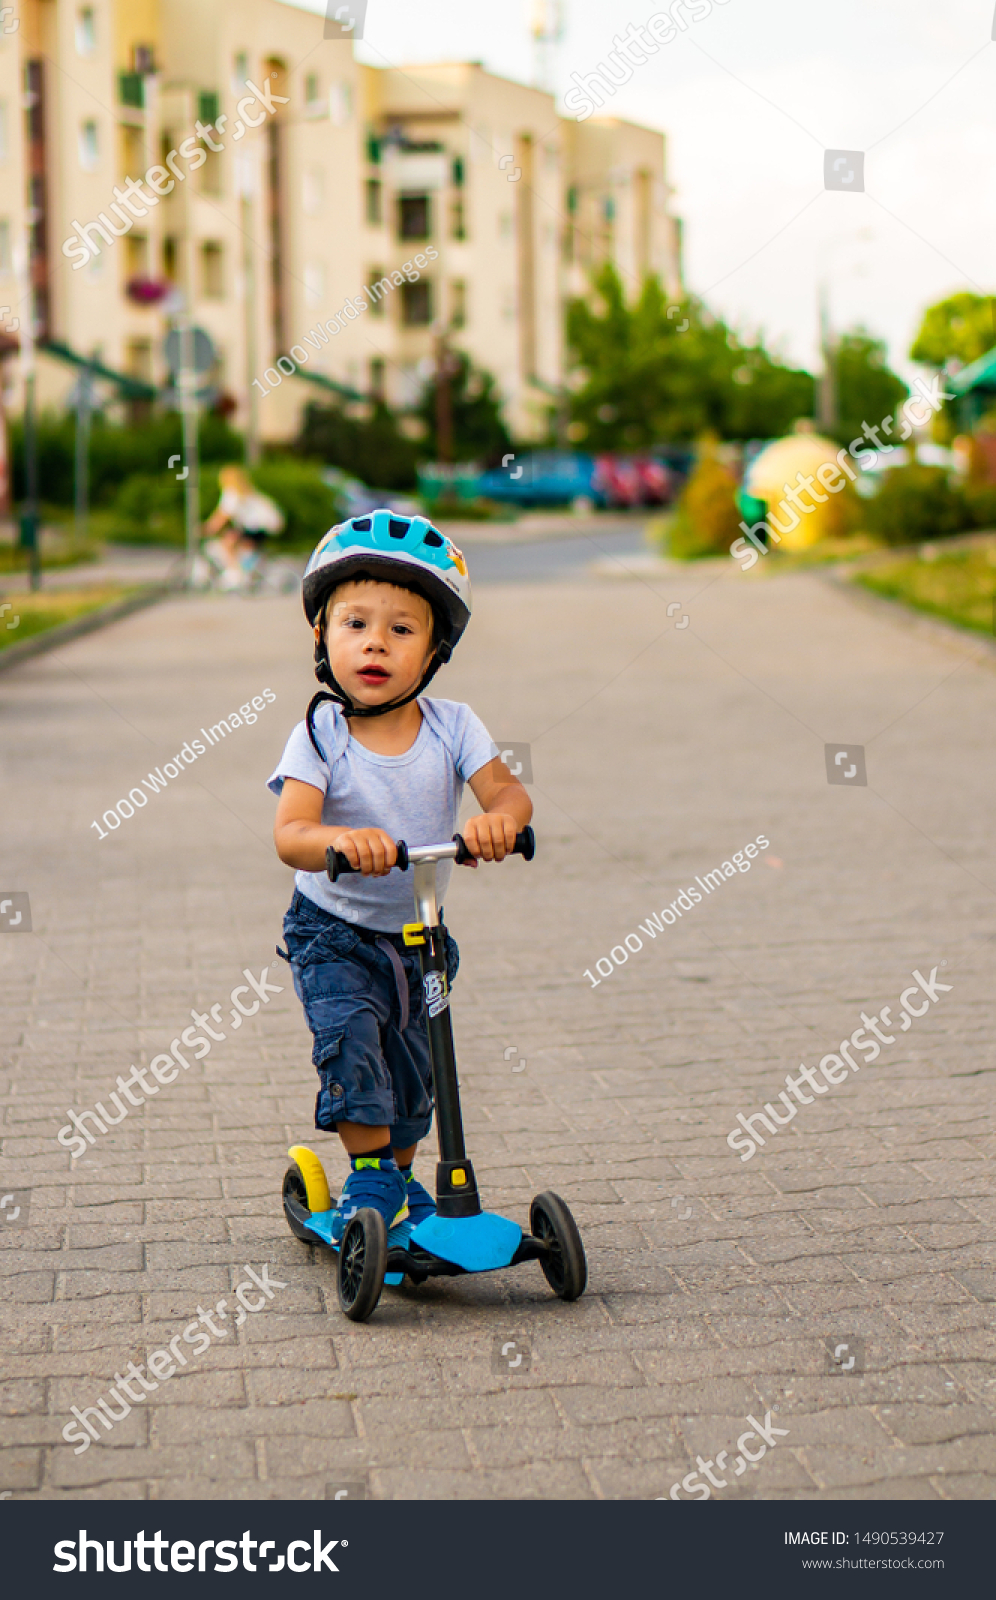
column 461, row 1237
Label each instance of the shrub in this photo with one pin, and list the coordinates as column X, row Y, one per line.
column 916, row 503
column 149, row 508
column 707, row 520
column 981, row 502
column 116, row 453
column 307, row 502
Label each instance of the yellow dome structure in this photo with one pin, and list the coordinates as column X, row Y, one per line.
column 784, row 464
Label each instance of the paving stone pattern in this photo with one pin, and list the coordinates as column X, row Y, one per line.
column 715, row 1284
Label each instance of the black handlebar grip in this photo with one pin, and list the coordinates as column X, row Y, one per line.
column 336, row 863
column 525, row 845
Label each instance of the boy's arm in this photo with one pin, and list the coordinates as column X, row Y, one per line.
column 302, row 841
column 505, row 810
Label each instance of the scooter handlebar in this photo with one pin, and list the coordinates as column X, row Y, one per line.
column 337, row 864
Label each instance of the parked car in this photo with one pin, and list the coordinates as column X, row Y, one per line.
column 541, row 478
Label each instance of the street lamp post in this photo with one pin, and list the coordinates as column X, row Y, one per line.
column 29, row 516
column 187, row 384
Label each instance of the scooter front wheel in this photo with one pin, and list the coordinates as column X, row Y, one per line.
column 564, row 1265
column 362, row 1264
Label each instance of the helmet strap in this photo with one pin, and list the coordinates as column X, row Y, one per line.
column 338, row 696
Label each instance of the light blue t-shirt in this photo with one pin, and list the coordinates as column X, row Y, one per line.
column 415, row 796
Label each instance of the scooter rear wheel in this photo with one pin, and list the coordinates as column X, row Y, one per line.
column 362, row 1264
column 295, row 1189
column 564, row 1265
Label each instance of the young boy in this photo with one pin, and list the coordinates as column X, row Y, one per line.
column 374, row 761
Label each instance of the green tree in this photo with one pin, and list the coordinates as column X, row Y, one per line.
column 867, row 390
column 373, row 449
column 961, row 328
column 479, row 431
column 652, row 370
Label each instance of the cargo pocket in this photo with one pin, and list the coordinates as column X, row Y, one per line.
column 331, row 1098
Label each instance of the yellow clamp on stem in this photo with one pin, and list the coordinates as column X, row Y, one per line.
column 315, row 1182
column 414, row 932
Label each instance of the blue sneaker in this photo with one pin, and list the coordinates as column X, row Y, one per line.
column 420, row 1201
column 379, row 1185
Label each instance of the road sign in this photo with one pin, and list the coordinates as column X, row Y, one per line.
column 204, row 354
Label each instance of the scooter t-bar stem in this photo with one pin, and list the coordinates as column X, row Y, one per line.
column 337, row 864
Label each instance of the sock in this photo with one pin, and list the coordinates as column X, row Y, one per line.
column 406, row 1172
column 384, row 1157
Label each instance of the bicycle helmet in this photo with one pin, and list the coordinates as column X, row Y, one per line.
column 408, row 551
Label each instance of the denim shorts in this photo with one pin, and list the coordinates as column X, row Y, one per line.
column 372, row 1060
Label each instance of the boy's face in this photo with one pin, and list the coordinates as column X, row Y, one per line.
column 379, row 640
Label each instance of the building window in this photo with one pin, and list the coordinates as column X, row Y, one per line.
column 6, row 248
column 458, row 172
column 136, row 256
column 377, row 373
column 312, row 190
column 208, row 106
column 458, row 224
column 375, row 213
column 458, row 304
column 312, row 89
column 314, row 284
column 376, row 277
column 143, row 57
column 89, row 151
column 132, row 150
column 209, row 181
column 340, row 104
column 240, row 72
column 416, row 304
column 413, row 216
column 139, row 359
column 86, row 31
column 169, row 259
column 212, row 272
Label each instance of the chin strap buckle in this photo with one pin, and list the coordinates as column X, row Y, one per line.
column 414, row 933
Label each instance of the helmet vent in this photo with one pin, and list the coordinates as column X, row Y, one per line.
column 432, row 537
column 361, row 525
column 396, row 529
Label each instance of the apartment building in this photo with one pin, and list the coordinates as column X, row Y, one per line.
column 280, row 179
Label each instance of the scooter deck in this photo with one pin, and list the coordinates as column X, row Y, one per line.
column 444, row 1246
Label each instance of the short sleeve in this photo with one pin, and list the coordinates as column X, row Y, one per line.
column 470, row 744
column 300, row 760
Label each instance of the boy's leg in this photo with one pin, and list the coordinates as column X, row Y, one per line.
column 359, row 1137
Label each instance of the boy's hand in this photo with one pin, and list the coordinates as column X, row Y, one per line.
column 370, row 850
column 490, row 836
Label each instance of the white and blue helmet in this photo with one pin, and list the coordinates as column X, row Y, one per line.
column 405, row 550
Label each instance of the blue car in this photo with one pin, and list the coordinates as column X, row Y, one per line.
column 542, row 478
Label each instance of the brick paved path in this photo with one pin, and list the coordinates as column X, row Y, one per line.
column 715, row 1284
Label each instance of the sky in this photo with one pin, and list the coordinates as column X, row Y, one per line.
column 749, row 97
